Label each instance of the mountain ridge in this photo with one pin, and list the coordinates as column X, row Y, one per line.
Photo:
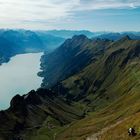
column 102, row 85
column 31, row 110
column 67, row 54
column 95, row 83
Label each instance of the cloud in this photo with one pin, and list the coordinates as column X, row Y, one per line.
column 29, row 9
column 16, row 12
column 107, row 4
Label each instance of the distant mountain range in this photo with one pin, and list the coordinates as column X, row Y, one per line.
column 90, row 85
column 14, row 42
column 103, row 35
column 117, row 36
column 70, row 33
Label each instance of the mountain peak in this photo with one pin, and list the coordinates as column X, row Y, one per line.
column 79, row 37
column 17, row 99
column 125, row 38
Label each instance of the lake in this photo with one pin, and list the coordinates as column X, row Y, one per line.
column 19, row 76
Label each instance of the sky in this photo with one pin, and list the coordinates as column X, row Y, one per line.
column 94, row 15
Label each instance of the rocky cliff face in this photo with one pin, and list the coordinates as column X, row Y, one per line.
column 32, row 110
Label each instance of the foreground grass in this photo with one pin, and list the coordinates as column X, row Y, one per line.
column 119, row 132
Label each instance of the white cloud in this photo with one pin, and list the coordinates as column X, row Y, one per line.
column 107, row 4
column 19, row 13
column 36, row 10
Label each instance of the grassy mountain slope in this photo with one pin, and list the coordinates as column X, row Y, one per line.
column 114, row 91
column 73, row 55
column 108, row 87
column 96, row 79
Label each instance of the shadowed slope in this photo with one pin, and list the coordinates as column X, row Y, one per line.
column 31, row 110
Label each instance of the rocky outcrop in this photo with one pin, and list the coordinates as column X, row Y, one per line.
column 31, row 110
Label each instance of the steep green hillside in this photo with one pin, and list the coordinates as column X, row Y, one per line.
column 94, row 92
column 108, row 87
column 113, row 92
column 72, row 56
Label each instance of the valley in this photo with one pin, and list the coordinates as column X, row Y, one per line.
column 90, row 88
column 69, row 70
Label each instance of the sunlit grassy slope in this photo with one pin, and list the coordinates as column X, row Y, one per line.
column 108, row 90
column 96, row 90
column 124, row 101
